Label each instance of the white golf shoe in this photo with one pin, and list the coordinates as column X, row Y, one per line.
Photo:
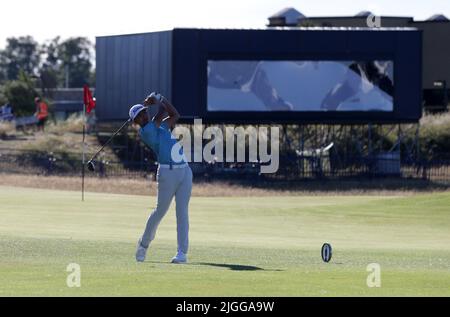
column 180, row 258
column 141, row 252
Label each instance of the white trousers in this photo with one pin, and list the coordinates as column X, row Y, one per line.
column 176, row 183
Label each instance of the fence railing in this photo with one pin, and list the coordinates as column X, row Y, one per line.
column 290, row 167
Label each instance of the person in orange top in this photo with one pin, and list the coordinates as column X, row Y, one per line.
column 41, row 113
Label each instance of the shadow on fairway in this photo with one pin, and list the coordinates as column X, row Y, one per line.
column 235, row 267
column 232, row 267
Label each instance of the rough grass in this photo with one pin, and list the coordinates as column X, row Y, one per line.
column 63, row 138
column 142, row 186
column 240, row 246
column 73, row 124
column 440, row 120
column 69, row 143
column 435, row 135
column 136, row 186
column 7, row 129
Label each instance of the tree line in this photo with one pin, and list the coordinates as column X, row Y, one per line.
column 29, row 69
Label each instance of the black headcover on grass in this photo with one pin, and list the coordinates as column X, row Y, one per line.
column 91, row 166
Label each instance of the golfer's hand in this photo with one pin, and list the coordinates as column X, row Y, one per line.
column 153, row 99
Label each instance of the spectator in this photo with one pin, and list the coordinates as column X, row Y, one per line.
column 6, row 113
column 41, row 113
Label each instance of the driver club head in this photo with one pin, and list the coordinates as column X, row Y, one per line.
column 91, row 166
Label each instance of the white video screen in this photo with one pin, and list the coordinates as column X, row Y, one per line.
column 259, row 86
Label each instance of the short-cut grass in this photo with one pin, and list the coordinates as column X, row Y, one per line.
column 240, row 246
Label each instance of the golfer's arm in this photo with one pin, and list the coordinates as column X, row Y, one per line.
column 173, row 115
column 160, row 116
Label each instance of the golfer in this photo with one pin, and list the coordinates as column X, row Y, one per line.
column 174, row 175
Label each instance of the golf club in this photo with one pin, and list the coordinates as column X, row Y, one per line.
column 90, row 163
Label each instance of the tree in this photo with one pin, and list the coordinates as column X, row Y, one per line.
column 21, row 93
column 50, row 73
column 3, row 99
column 52, row 62
column 3, row 71
column 306, row 23
column 50, row 49
column 21, row 53
column 75, row 55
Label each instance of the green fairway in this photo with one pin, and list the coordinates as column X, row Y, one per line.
column 242, row 246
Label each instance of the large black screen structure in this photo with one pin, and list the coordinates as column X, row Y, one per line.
column 300, row 85
column 297, row 75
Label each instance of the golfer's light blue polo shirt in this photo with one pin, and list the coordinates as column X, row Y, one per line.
column 161, row 141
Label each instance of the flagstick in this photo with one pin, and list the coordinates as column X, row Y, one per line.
column 84, row 154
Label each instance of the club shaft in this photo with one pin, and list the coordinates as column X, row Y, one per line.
column 110, row 139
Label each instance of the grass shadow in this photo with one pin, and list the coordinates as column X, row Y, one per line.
column 235, row 267
column 232, row 267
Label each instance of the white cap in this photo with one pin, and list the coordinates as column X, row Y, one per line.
column 135, row 110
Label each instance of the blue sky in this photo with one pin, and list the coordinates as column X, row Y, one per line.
column 45, row 19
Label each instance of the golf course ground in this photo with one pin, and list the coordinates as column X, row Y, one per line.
column 240, row 246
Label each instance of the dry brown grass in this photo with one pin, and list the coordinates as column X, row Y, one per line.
column 209, row 189
column 60, row 137
column 440, row 119
column 7, row 129
column 73, row 124
column 65, row 143
column 126, row 186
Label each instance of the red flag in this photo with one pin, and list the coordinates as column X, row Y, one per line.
column 89, row 102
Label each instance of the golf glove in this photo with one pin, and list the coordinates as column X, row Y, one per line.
column 158, row 97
